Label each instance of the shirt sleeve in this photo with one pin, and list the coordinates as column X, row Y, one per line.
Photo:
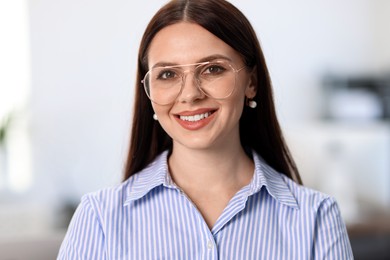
column 85, row 237
column 331, row 239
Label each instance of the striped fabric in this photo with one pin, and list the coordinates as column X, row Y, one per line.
column 148, row 217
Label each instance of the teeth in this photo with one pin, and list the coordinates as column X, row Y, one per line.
column 195, row 118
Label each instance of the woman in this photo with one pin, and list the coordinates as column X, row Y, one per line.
column 208, row 173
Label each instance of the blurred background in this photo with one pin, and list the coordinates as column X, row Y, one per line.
column 66, row 94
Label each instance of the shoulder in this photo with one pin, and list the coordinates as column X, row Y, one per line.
column 308, row 198
column 115, row 197
column 330, row 236
column 287, row 191
column 321, row 208
column 109, row 198
column 90, row 224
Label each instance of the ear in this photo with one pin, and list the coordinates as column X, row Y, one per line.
column 251, row 89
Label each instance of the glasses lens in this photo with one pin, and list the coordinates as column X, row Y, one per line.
column 216, row 79
column 162, row 84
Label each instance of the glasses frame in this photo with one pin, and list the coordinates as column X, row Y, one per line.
column 184, row 76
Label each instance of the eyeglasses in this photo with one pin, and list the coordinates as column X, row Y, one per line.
column 216, row 79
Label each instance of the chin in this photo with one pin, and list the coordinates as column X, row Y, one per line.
column 195, row 144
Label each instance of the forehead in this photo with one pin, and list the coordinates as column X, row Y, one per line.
column 185, row 43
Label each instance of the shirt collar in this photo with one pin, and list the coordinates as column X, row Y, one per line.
column 274, row 182
column 156, row 174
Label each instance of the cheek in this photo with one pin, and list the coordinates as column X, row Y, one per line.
column 239, row 107
column 159, row 110
column 162, row 113
column 237, row 102
column 234, row 107
column 239, row 97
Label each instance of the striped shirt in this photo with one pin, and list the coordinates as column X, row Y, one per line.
column 149, row 217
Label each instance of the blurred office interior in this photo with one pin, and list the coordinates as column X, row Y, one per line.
column 66, row 95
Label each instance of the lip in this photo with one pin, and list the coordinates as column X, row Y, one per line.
column 195, row 125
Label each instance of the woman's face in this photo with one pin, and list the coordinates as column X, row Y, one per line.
column 194, row 120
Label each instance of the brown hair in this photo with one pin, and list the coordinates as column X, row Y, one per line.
column 259, row 127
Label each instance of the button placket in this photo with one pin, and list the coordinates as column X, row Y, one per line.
column 211, row 248
column 210, row 244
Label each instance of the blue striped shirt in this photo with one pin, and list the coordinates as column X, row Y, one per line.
column 149, row 217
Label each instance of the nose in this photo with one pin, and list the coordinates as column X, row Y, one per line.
column 190, row 90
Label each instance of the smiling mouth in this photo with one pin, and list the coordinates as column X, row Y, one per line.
column 197, row 117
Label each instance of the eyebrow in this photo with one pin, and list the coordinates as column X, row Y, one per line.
column 205, row 59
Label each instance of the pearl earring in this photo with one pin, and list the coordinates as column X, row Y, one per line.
column 155, row 117
column 252, row 104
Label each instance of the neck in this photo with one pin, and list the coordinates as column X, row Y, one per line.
column 207, row 170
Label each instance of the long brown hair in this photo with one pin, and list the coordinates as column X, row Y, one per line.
column 259, row 127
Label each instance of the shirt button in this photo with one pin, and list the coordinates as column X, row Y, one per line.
column 210, row 244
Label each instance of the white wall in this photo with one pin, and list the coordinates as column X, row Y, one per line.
column 83, row 67
column 83, row 56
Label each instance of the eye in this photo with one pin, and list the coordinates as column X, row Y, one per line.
column 166, row 74
column 214, row 69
